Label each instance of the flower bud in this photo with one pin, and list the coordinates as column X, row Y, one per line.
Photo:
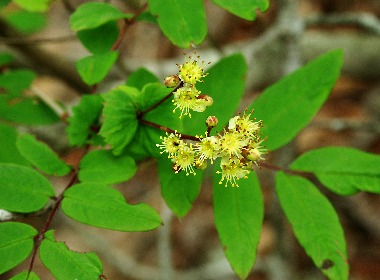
column 208, row 101
column 252, row 154
column 211, row 121
column 171, row 81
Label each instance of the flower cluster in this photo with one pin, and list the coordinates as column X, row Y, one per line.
column 238, row 147
column 188, row 98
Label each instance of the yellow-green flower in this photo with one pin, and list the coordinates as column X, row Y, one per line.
column 185, row 160
column 170, row 144
column 233, row 169
column 191, row 72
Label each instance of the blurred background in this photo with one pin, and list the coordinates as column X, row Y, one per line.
column 279, row 41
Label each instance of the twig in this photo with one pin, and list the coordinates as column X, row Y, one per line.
column 50, row 102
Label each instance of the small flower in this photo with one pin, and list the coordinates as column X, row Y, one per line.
column 171, row 81
column 170, row 144
column 185, row 160
column 185, row 99
column 232, row 143
column 233, row 169
column 254, row 151
column 244, row 125
column 191, row 72
column 208, row 148
column 207, row 99
column 211, row 121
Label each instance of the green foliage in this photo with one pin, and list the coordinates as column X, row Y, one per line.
column 99, row 44
column 33, row 6
column 178, row 190
column 343, row 170
column 23, row 189
column 24, row 274
column 225, row 84
column 66, row 264
column 239, row 214
column 140, row 78
column 27, row 22
column 243, row 8
column 103, row 167
column 181, row 26
column 8, row 136
column 83, row 18
column 4, row 3
column 41, row 156
column 102, row 206
column 5, row 59
column 16, row 243
column 84, row 118
column 16, row 81
column 315, row 224
column 290, row 104
column 94, row 68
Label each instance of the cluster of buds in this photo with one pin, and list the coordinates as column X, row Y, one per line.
column 187, row 97
column 238, row 146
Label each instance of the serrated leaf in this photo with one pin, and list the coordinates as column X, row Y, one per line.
column 23, row 189
column 341, row 169
column 178, row 190
column 23, row 275
column 243, row 8
column 27, row 22
column 119, row 117
column 66, row 264
column 94, row 68
column 100, row 39
column 85, row 116
column 25, row 110
column 288, row 106
column 140, row 78
column 41, row 156
column 14, row 82
column 103, row 167
column 315, row 224
column 239, row 214
column 8, row 136
column 16, row 244
column 33, row 6
column 91, row 15
column 181, row 26
column 225, row 84
column 102, row 206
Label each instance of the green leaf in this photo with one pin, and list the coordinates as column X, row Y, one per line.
column 8, row 136
column 92, row 15
column 85, row 116
column 94, row 68
column 148, row 17
column 103, row 167
column 16, row 244
column 288, row 106
column 26, row 110
column 151, row 94
column 4, row 3
column 140, row 78
column 225, row 84
column 343, row 170
column 243, row 8
column 23, row 189
column 33, row 6
column 66, row 264
column 182, row 21
column 41, row 156
column 101, row 39
column 239, row 214
column 23, row 275
column 119, row 117
column 5, row 58
column 178, row 190
column 27, row 22
column 315, row 224
column 14, row 82
column 102, row 206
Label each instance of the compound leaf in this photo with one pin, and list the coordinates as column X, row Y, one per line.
column 243, row 8
column 66, row 264
column 102, row 206
column 23, row 189
column 315, row 224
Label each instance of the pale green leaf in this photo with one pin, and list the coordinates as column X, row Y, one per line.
column 66, row 264
column 288, row 106
column 315, row 224
column 16, row 244
column 243, row 8
column 102, row 206
column 23, row 189
column 41, row 156
column 239, row 214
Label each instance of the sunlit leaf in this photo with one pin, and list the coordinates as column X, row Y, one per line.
column 243, row 8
